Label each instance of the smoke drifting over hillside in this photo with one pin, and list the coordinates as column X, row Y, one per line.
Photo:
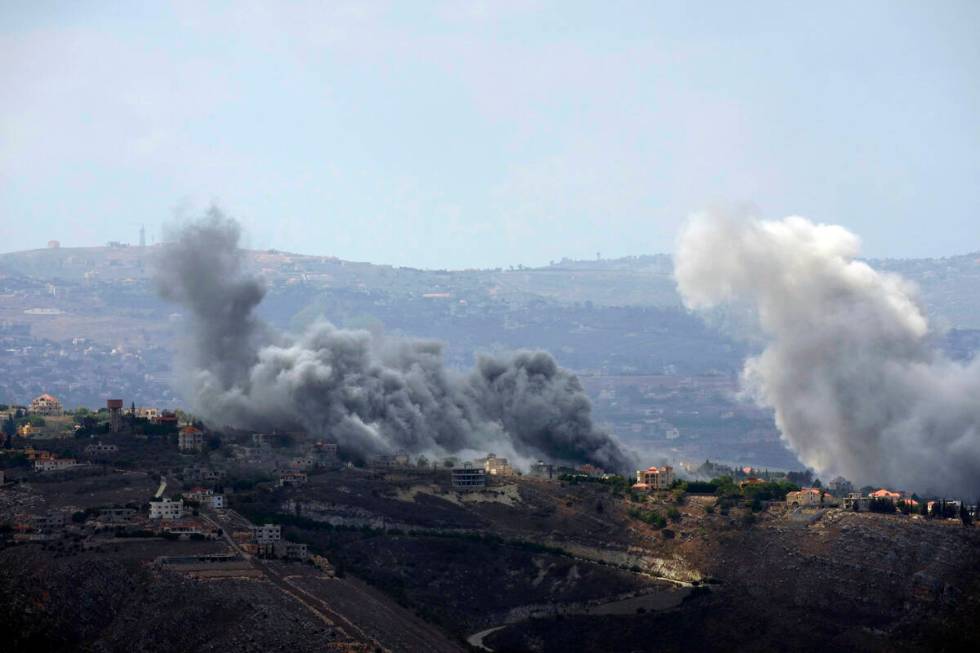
column 372, row 394
column 857, row 387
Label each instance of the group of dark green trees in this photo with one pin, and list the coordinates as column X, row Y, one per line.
column 940, row 509
column 10, row 423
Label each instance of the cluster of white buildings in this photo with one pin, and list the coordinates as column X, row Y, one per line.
column 474, row 476
column 206, row 497
column 54, row 464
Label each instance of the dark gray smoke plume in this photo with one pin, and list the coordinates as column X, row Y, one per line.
column 856, row 385
column 372, row 394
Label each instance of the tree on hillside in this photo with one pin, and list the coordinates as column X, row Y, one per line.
column 9, row 431
column 882, row 505
column 803, row 479
column 965, row 516
column 950, row 511
column 923, row 507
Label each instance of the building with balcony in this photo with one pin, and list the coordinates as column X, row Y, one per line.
column 469, row 478
column 654, row 478
column 164, row 508
column 46, row 405
column 190, row 439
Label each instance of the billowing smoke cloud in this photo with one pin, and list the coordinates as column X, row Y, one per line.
column 857, row 387
column 372, row 394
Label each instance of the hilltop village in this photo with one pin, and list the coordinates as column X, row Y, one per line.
column 284, row 523
column 85, row 324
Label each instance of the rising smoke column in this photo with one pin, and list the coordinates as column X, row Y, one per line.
column 857, row 387
column 372, row 394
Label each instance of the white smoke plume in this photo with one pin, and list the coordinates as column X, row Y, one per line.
column 372, row 394
column 849, row 366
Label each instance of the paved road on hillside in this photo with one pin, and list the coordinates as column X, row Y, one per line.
column 362, row 612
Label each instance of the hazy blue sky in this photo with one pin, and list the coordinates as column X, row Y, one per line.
column 456, row 134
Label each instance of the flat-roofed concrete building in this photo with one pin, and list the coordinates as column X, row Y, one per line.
column 54, row 464
column 292, row 478
column 267, row 533
column 116, row 514
column 857, row 502
column 291, row 550
column 206, row 497
column 164, row 508
column 542, row 469
column 469, row 478
column 148, row 412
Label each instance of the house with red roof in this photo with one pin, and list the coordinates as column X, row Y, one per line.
column 46, row 405
column 190, row 438
column 810, row 496
column 654, row 478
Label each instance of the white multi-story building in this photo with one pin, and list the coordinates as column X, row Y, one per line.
column 190, row 438
column 654, row 478
column 164, row 508
column 495, row 466
column 54, row 464
column 46, row 405
column 146, row 412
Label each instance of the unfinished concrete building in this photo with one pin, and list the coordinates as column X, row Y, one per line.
column 469, row 478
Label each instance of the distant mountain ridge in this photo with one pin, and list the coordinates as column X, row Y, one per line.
column 948, row 285
column 87, row 323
